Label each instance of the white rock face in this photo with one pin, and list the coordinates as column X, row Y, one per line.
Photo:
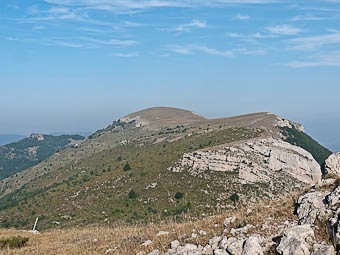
column 280, row 122
column 332, row 165
column 322, row 249
column 38, row 137
column 295, row 240
column 256, row 160
column 252, row 246
column 137, row 121
column 311, row 207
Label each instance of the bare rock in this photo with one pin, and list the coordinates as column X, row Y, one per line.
column 295, row 240
column 310, row 207
column 322, row 249
column 252, row 246
column 174, row 244
column 155, row 252
column 220, row 252
column 332, row 164
column 333, row 199
column 255, row 160
column 228, row 221
column 236, row 247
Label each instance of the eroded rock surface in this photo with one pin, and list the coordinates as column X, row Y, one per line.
column 332, row 164
column 258, row 160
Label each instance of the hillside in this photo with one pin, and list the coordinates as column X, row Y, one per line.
column 162, row 164
column 18, row 156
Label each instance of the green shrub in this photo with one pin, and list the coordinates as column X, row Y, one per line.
column 127, row 167
column 234, row 198
column 179, row 195
column 13, row 242
column 132, row 194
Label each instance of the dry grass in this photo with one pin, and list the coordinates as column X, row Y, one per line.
column 128, row 240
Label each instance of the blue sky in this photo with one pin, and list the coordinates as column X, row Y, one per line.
column 75, row 65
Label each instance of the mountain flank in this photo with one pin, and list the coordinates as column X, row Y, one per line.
column 163, row 164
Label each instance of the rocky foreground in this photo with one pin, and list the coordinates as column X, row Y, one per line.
column 315, row 230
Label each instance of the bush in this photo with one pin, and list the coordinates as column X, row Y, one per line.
column 179, row 195
column 13, row 242
column 234, row 198
column 132, row 194
column 127, row 167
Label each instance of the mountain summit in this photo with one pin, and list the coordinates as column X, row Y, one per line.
column 158, row 117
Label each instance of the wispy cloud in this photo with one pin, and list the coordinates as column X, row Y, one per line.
column 234, row 35
column 76, row 42
column 241, row 17
column 311, row 43
column 283, row 30
column 331, row 58
column 125, row 5
column 110, row 42
column 245, row 51
column 308, row 18
column 195, row 23
column 126, row 55
column 192, row 49
column 259, row 35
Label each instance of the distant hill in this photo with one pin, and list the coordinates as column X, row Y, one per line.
column 17, row 156
column 163, row 163
column 5, row 139
column 82, row 133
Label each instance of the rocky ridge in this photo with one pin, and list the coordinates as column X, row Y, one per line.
column 256, row 160
column 317, row 211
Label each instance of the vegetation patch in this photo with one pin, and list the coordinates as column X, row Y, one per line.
column 13, row 242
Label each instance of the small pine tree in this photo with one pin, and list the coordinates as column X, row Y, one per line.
column 234, row 198
column 132, row 194
column 179, row 195
column 127, row 167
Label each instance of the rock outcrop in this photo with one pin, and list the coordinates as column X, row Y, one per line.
column 332, row 164
column 316, row 210
column 258, row 160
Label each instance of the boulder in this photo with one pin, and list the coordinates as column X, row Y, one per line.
column 323, row 249
column 333, row 199
column 295, row 240
column 332, row 164
column 236, row 247
column 252, row 246
column 154, row 252
column 174, row 244
column 220, row 252
column 310, row 207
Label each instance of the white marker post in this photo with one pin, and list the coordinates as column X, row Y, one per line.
column 35, row 224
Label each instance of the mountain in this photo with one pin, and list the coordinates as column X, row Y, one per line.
column 161, row 164
column 5, row 139
column 17, row 156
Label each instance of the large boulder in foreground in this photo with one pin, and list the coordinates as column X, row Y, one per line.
column 332, row 164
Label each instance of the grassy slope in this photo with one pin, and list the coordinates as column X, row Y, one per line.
column 128, row 239
column 96, row 189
